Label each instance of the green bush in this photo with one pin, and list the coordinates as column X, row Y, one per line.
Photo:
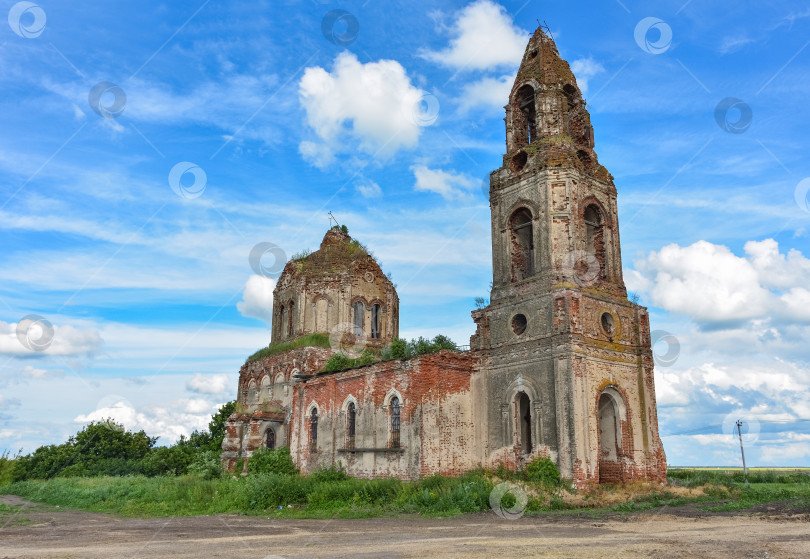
column 544, row 471
column 206, row 465
column 278, row 461
column 366, row 358
column 332, row 473
column 338, row 362
column 401, row 349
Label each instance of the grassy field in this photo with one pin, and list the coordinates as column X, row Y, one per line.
column 322, row 497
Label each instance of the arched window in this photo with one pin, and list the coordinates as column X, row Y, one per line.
column 282, row 320
column 521, row 237
column 253, row 396
column 313, row 429
column 526, row 125
column 594, row 236
column 525, row 420
column 375, row 321
column 395, row 413
column 290, row 328
column 359, row 311
column 570, row 95
column 266, row 391
column 270, row 439
column 610, row 469
column 351, row 418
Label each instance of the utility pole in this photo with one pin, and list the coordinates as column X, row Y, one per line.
column 742, row 452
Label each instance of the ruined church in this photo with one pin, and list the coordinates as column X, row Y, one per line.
column 560, row 364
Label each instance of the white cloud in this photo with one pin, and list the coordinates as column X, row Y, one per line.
column 734, row 43
column 584, row 69
column 712, row 285
column 449, row 184
column 368, row 188
column 67, row 340
column 373, row 107
column 484, row 37
column 209, row 384
column 257, row 298
column 167, row 422
column 489, row 93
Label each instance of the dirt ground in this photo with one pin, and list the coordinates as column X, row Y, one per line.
column 43, row 532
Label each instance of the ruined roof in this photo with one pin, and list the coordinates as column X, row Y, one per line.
column 542, row 62
column 338, row 254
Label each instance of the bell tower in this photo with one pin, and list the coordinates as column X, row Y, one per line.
column 566, row 358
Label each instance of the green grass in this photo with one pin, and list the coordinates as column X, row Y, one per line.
column 267, row 494
column 310, row 340
column 330, row 494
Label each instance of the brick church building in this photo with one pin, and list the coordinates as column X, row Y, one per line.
column 560, row 364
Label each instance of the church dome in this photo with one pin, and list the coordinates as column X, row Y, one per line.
column 338, row 288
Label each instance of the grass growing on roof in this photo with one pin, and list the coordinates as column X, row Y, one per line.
column 310, row 340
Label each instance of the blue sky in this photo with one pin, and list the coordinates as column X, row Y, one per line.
column 393, row 128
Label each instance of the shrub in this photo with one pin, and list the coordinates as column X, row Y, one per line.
column 366, row 358
column 332, row 473
column 399, row 349
column 544, row 471
column 206, row 465
column 278, row 461
column 338, row 362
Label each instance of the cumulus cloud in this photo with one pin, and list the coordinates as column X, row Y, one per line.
column 372, row 106
column 167, row 422
column 483, row 37
column 584, row 69
column 257, row 298
column 489, row 93
column 209, row 384
column 67, row 340
column 715, row 287
column 449, row 184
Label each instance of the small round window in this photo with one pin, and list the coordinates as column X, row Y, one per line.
column 519, row 324
column 608, row 323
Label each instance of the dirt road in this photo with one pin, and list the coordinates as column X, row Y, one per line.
column 49, row 532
